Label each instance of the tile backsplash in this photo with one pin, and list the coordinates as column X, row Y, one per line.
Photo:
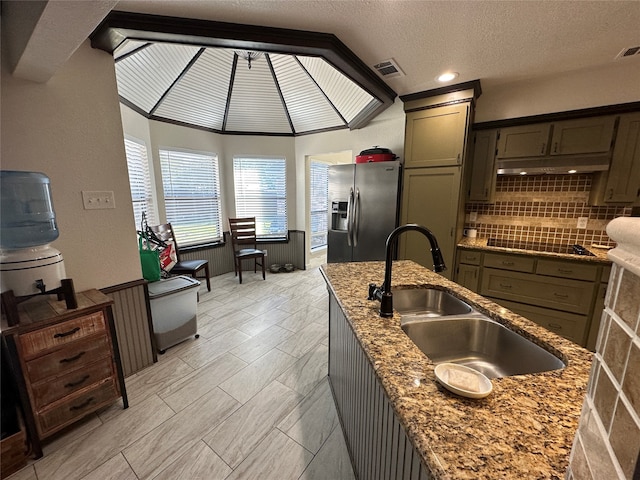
column 607, row 443
column 543, row 208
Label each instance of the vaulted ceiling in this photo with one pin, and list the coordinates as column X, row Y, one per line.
column 239, row 79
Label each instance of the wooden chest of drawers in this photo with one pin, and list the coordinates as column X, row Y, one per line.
column 66, row 362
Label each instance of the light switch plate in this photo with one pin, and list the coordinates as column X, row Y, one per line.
column 98, row 200
column 473, row 216
column 582, row 222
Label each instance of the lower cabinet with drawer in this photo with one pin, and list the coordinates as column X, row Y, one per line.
column 560, row 295
column 66, row 362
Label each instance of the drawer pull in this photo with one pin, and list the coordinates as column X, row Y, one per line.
column 565, row 270
column 560, row 295
column 555, row 326
column 72, row 359
column 82, row 405
column 79, row 382
column 509, row 264
column 66, row 334
column 503, row 285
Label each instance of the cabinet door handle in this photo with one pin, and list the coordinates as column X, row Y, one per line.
column 507, row 286
column 458, row 159
column 66, row 334
column 565, row 270
column 610, row 196
column 82, row 405
column 78, row 382
column 72, row 359
column 555, row 147
column 560, row 295
column 543, row 145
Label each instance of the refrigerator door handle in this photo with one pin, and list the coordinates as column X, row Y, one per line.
column 356, row 218
column 350, row 218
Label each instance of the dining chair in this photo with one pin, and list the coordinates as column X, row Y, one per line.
column 165, row 233
column 244, row 243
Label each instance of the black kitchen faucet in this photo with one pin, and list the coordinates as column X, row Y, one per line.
column 383, row 292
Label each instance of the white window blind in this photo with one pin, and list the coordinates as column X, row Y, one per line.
column 319, row 196
column 139, row 181
column 192, row 196
column 261, row 192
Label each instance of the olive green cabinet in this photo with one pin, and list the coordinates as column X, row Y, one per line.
column 468, row 269
column 482, row 184
column 568, row 137
column 621, row 184
column 582, row 136
column 436, row 136
column 430, row 197
column 523, row 141
column 563, row 296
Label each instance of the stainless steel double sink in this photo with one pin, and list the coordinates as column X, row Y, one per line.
column 447, row 329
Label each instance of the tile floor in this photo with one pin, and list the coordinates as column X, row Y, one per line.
column 249, row 399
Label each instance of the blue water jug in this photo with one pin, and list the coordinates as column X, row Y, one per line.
column 27, row 218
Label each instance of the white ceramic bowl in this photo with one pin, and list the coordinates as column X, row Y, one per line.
column 464, row 381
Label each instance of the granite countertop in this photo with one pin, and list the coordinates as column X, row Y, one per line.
column 523, row 429
column 599, row 254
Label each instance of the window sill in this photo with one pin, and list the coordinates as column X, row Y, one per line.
column 202, row 246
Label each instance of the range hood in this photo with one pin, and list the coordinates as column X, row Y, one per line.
column 553, row 164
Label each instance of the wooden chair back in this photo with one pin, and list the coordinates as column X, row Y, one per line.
column 243, row 232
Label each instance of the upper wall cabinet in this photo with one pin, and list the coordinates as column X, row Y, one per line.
column 621, row 184
column 436, row 136
column 524, row 141
column 482, row 182
column 568, row 137
column 585, row 135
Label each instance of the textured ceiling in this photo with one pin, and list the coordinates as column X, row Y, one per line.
column 494, row 41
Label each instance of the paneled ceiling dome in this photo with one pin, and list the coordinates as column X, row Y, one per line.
column 197, row 73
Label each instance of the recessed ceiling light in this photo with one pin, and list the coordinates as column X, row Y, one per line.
column 523, row 173
column 572, row 171
column 447, row 76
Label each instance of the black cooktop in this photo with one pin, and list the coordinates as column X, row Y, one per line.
column 540, row 246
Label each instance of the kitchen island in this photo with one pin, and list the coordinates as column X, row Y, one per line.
column 399, row 423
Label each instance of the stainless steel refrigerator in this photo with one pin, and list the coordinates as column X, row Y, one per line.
column 364, row 200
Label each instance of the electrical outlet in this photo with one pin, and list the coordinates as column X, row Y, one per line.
column 93, row 200
column 473, row 216
column 582, row 222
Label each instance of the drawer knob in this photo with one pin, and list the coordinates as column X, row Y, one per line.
column 505, row 285
column 79, row 382
column 565, row 270
column 72, row 359
column 66, row 334
column 504, row 262
column 555, row 326
column 82, row 405
column 560, row 295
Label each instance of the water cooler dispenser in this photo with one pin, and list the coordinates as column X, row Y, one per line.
column 29, row 265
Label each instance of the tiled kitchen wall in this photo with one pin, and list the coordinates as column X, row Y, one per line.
column 543, row 208
column 607, row 444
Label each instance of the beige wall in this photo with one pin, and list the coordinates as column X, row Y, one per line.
column 70, row 129
column 618, row 82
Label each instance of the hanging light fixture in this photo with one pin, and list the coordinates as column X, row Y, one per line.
column 248, row 55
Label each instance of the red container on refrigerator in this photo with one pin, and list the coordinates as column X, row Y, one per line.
column 375, row 154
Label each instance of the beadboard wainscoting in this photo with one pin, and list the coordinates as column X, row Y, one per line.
column 134, row 331
column 221, row 256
